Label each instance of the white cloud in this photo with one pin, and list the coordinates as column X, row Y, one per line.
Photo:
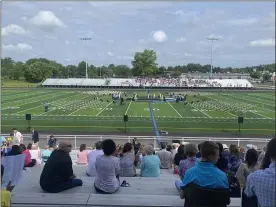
column 181, row 39
column 125, row 57
column 50, row 37
column 67, row 42
column 243, row 22
column 13, row 29
column 188, row 54
column 110, row 54
column 47, row 20
column 179, row 12
column 160, row 36
column 66, row 9
column 262, row 43
column 143, row 41
column 110, row 41
column 18, row 47
column 67, row 59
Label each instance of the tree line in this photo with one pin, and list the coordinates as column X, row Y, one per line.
column 144, row 64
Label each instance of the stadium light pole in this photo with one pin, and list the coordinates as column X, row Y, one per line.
column 212, row 39
column 85, row 39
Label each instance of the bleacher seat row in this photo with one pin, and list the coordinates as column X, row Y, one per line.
column 148, row 82
column 141, row 193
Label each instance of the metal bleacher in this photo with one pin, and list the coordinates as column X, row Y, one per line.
column 141, row 193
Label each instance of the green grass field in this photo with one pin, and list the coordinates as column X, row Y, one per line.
column 17, row 83
column 80, row 111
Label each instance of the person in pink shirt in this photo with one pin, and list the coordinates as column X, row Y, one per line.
column 82, row 155
column 29, row 162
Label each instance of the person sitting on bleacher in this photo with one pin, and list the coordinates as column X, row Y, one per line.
column 222, row 162
column 261, row 183
column 128, row 161
column 150, row 164
column 180, row 155
column 108, row 168
column 14, row 151
column 184, row 165
column 165, row 157
column 207, row 178
column 92, row 155
column 29, row 162
column 57, row 174
column 46, row 153
column 82, row 155
column 52, row 141
column 35, row 152
column 5, row 193
column 250, row 165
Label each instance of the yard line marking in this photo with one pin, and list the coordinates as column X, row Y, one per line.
column 17, row 113
column 104, row 109
column 174, row 109
column 202, row 112
column 261, row 103
column 128, row 107
column 45, row 98
column 28, row 99
column 260, row 115
column 254, row 112
column 76, row 111
column 63, row 100
column 224, row 111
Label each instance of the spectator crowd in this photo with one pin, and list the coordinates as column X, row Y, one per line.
column 209, row 174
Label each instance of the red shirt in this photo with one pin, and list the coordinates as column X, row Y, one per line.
column 28, row 157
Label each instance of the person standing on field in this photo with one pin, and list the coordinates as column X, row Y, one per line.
column 17, row 137
column 35, row 137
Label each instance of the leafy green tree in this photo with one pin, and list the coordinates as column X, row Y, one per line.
column 144, row 63
column 7, row 65
column 122, row 71
column 266, row 77
column 255, row 75
column 81, row 72
column 72, row 71
column 38, row 71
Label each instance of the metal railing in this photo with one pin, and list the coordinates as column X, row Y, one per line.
column 149, row 139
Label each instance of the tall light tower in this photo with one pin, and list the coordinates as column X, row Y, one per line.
column 212, row 39
column 85, row 39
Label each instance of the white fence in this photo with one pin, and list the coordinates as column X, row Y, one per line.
column 79, row 139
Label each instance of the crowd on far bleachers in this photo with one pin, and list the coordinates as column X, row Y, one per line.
column 170, row 82
column 158, row 82
column 209, row 170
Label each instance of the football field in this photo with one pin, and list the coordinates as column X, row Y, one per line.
column 94, row 111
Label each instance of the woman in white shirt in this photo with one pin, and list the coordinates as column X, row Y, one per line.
column 35, row 152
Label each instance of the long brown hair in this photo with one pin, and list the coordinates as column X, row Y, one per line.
column 82, row 147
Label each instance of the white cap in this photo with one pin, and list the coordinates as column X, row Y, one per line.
column 225, row 146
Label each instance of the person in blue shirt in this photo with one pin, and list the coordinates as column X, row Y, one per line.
column 46, row 153
column 52, row 142
column 205, row 173
column 150, row 165
column 3, row 141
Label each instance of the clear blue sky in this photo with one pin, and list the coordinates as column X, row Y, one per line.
column 119, row 29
